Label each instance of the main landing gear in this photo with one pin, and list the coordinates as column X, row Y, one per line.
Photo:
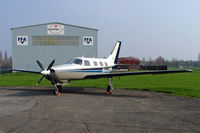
column 109, row 87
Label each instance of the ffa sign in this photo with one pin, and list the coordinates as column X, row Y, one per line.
column 22, row 40
column 55, row 29
column 88, row 40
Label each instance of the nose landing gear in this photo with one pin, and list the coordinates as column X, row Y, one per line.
column 58, row 89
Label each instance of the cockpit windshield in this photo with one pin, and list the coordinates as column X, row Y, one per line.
column 75, row 61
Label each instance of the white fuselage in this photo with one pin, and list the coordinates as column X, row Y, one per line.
column 80, row 67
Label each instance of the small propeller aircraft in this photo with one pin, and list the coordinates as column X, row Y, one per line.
column 80, row 68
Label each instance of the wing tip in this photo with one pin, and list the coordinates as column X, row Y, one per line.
column 190, row 70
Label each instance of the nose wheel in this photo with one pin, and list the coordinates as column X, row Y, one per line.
column 57, row 90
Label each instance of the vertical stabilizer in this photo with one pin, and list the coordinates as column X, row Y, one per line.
column 113, row 57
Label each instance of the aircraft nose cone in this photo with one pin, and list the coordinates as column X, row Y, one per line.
column 45, row 72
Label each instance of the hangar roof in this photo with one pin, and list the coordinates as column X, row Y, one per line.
column 55, row 23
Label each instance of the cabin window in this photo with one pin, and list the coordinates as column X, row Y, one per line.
column 75, row 61
column 106, row 64
column 95, row 63
column 86, row 63
column 101, row 63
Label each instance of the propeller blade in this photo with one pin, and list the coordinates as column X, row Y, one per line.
column 40, row 64
column 50, row 65
column 40, row 80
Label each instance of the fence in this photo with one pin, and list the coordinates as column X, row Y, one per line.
column 155, row 67
column 5, row 70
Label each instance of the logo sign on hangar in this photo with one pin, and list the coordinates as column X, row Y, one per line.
column 88, row 40
column 22, row 40
column 55, row 29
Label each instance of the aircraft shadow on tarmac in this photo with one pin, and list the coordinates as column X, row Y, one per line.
column 71, row 90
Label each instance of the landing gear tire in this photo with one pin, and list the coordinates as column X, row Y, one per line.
column 109, row 90
column 56, row 92
column 59, row 88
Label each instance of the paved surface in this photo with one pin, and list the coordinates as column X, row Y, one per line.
column 36, row 110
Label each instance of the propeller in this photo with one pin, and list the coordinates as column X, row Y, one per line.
column 40, row 80
column 40, row 64
column 50, row 65
column 46, row 72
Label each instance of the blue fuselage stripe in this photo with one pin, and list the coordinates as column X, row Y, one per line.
column 82, row 71
column 88, row 71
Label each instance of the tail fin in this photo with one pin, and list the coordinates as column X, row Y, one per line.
column 113, row 57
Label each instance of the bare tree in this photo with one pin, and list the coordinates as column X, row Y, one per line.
column 150, row 61
column 5, row 60
column 160, row 60
column 174, row 62
column 143, row 60
column 1, row 58
column 198, row 57
column 10, row 62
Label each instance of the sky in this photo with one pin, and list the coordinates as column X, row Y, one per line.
column 147, row 28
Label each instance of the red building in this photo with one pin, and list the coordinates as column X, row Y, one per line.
column 129, row 63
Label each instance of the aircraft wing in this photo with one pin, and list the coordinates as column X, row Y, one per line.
column 26, row 71
column 134, row 73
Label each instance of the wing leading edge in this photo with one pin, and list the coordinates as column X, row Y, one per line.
column 134, row 73
column 26, row 71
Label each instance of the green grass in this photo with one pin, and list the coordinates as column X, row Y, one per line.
column 185, row 84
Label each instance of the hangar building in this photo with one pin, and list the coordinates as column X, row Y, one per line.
column 45, row 42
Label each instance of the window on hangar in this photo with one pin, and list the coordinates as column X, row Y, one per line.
column 55, row 40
